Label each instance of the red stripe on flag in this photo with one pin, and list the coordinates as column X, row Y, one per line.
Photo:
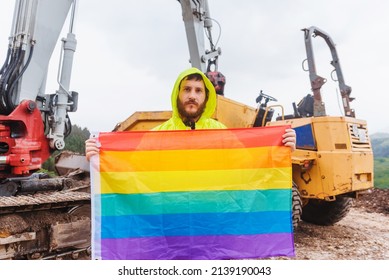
column 183, row 140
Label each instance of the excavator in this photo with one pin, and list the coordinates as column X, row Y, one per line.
column 49, row 218
column 40, row 217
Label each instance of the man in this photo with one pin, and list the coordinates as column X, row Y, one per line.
column 193, row 102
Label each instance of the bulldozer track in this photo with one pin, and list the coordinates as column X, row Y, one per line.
column 42, row 201
column 73, row 254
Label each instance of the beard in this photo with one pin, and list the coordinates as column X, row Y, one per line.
column 190, row 116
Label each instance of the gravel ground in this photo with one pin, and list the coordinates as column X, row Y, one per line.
column 362, row 235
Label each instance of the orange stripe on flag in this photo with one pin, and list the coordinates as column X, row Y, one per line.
column 186, row 160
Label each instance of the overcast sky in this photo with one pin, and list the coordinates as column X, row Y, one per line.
column 130, row 52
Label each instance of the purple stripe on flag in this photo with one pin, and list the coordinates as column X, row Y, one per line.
column 198, row 247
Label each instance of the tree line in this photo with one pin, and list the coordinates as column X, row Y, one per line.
column 75, row 142
column 380, row 144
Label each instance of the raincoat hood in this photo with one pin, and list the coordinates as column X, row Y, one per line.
column 205, row 121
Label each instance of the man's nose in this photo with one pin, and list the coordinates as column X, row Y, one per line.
column 192, row 94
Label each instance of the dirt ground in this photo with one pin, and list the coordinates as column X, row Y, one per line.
column 362, row 235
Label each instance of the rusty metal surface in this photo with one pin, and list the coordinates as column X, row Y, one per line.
column 74, row 234
column 18, row 238
column 41, row 201
column 67, row 162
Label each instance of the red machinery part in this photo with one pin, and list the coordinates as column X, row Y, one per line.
column 218, row 80
column 23, row 144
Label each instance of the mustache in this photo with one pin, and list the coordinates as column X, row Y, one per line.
column 191, row 102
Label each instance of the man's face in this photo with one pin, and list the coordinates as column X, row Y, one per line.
column 191, row 99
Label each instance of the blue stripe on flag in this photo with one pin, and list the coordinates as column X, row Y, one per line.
column 196, row 224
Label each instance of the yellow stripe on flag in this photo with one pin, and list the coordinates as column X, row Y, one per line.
column 200, row 180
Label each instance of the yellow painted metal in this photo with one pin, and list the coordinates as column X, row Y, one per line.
column 234, row 114
column 229, row 112
column 342, row 162
column 143, row 120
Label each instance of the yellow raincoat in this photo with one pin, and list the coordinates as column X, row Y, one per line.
column 205, row 121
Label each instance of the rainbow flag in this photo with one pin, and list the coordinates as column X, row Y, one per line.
column 196, row 194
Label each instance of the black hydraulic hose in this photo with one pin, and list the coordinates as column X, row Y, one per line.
column 4, row 80
column 14, row 83
column 2, row 104
column 5, row 73
column 10, row 69
column 14, row 76
column 6, row 61
column 68, row 127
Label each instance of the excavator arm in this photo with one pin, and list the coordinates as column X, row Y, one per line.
column 317, row 81
column 198, row 22
column 32, row 123
column 40, row 217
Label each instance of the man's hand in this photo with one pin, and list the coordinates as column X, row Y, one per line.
column 289, row 139
column 91, row 148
